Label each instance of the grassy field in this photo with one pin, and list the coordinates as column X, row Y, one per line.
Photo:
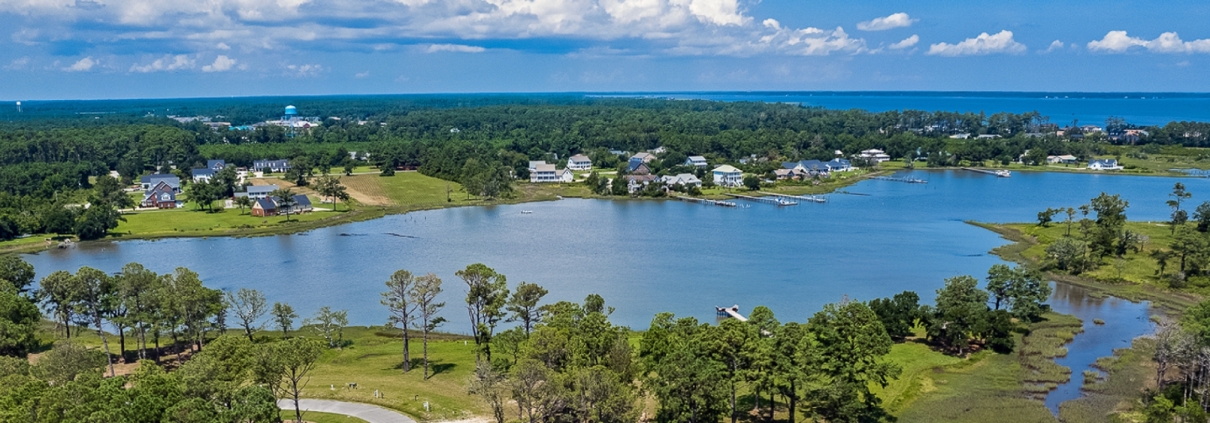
column 317, row 417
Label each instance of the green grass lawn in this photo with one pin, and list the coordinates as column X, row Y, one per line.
column 1134, row 267
column 317, row 417
column 187, row 220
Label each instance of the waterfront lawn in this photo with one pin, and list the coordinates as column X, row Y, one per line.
column 189, row 222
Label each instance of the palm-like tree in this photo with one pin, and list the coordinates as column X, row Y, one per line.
column 284, row 198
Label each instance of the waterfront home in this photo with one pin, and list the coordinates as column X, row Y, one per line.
column 1103, row 164
column 533, row 165
column 685, row 179
column 579, row 162
column 635, row 183
column 875, row 155
column 202, row 175
column 260, row 191
column 264, row 207
column 150, row 181
column 643, row 169
column 545, row 172
column 696, row 161
column 813, row 168
column 987, row 137
column 638, row 159
column 161, row 196
column 1064, row 159
column 783, row 174
column 302, row 204
column 728, row 176
column 271, row 165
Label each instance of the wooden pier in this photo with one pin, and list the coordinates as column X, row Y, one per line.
column 811, row 198
column 906, row 180
column 732, row 312
column 707, row 201
column 778, row 201
column 1001, row 173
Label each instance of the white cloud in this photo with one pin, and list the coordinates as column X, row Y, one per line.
column 221, row 63
column 1168, row 42
column 1001, row 42
column 907, row 42
column 222, row 46
column 896, row 20
column 455, row 48
column 360, row 75
column 803, row 42
column 305, row 70
column 82, row 65
column 166, row 63
column 1054, row 45
column 18, row 64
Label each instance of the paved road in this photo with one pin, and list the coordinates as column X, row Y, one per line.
column 367, row 412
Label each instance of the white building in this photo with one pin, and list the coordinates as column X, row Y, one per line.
column 1104, row 164
column 579, row 162
column 875, row 155
column 685, row 179
column 544, row 172
column 698, row 161
column 728, row 176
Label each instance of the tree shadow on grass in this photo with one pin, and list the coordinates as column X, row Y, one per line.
column 436, row 367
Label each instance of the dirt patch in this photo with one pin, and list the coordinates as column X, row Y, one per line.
column 366, row 189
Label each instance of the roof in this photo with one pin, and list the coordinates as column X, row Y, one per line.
column 533, row 164
column 202, row 172
column 261, row 189
column 545, row 167
column 727, row 169
column 216, row 164
column 580, row 158
column 697, row 159
column 147, row 179
column 265, row 204
column 1108, row 162
column 302, row 200
column 643, row 156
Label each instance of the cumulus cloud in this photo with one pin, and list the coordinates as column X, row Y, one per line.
column 1001, row 42
column 1054, row 45
column 907, row 42
column 82, row 65
column 896, row 20
column 1168, row 42
column 361, row 75
column 805, row 41
column 166, row 63
column 17, row 64
column 221, row 63
column 455, row 48
column 305, row 70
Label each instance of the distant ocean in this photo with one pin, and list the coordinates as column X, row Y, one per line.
column 1062, row 108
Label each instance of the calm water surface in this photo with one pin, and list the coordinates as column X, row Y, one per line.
column 646, row 257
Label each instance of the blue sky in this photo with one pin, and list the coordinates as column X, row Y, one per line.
column 85, row 49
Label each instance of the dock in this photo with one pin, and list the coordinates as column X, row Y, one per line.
column 811, row 198
column 1001, row 173
column 707, row 201
column 732, row 312
column 777, row 201
column 905, row 180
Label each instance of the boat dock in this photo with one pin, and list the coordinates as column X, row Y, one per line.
column 1001, row 173
column 732, row 312
column 777, row 201
column 811, row 198
column 707, row 201
column 907, row 180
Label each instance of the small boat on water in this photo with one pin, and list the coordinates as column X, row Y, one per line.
column 66, row 244
column 527, row 212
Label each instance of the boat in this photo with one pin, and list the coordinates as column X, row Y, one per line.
column 527, row 211
column 1003, row 173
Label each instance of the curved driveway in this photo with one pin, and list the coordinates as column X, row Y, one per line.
column 367, row 412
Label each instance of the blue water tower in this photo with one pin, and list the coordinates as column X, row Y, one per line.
column 291, row 111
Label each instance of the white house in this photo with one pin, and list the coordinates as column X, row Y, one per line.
column 1103, row 164
column 202, row 175
column 875, row 155
column 548, row 173
column 728, row 176
column 697, row 161
column 1065, row 159
column 685, row 179
column 533, row 165
column 579, row 162
column 259, row 191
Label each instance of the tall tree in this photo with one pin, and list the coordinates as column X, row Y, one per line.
column 136, row 289
column 523, row 305
column 284, row 197
column 732, row 343
column 297, row 358
column 851, row 346
column 249, row 306
column 17, row 272
column 487, row 292
column 898, row 314
column 95, row 293
column 961, row 306
column 57, row 291
column 1202, row 216
column 330, row 325
column 1178, row 195
column 283, row 317
column 399, row 303
column 19, row 318
column 424, row 295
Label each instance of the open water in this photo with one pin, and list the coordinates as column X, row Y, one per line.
column 647, row 257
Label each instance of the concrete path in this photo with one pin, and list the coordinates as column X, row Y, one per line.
column 367, row 412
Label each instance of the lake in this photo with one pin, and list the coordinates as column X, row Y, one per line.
column 647, row 257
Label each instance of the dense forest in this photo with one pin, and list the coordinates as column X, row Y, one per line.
column 52, row 153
